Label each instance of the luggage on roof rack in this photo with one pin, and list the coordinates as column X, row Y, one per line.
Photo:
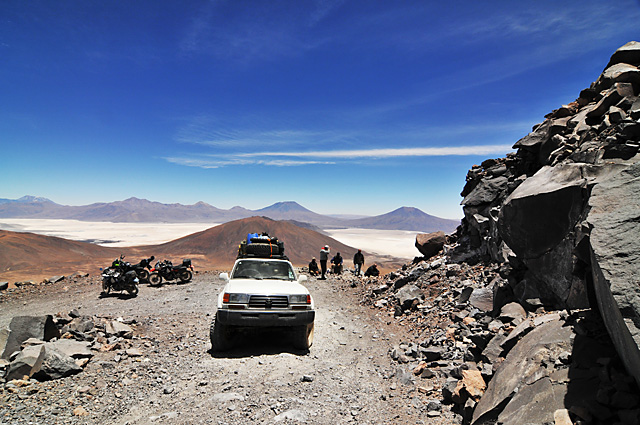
column 261, row 246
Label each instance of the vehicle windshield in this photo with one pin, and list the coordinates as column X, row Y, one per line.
column 253, row 269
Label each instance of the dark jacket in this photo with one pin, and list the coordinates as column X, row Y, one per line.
column 313, row 266
column 372, row 271
column 358, row 258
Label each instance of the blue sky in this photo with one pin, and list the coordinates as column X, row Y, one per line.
column 355, row 107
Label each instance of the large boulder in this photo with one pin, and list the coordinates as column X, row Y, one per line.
column 22, row 328
column 486, row 192
column 429, row 244
column 71, row 348
column 46, row 360
column 540, row 213
column 541, row 221
column 27, row 363
column 408, row 294
column 116, row 328
column 629, row 53
column 56, row 365
column 615, row 245
column 524, row 373
column 619, row 73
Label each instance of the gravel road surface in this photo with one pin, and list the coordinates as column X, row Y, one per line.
column 167, row 374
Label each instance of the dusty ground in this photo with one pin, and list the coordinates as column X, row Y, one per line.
column 347, row 377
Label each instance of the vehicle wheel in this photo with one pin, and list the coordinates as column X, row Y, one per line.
column 185, row 276
column 155, row 279
column 133, row 290
column 220, row 336
column 106, row 288
column 143, row 275
column 303, row 337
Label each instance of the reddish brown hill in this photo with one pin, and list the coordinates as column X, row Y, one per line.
column 218, row 246
column 30, row 256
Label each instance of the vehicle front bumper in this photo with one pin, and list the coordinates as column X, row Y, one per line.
column 262, row 318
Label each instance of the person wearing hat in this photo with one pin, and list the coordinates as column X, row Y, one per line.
column 324, row 256
column 313, row 267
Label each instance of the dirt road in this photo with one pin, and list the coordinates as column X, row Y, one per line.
column 346, row 377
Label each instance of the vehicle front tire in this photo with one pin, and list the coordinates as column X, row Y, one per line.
column 303, row 337
column 220, row 336
column 155, row 279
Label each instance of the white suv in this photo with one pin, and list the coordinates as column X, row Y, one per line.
column 263, row 292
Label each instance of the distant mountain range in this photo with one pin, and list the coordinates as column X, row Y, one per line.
column 134, row 210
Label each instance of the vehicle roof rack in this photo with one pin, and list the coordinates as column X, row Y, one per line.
column 275, row 257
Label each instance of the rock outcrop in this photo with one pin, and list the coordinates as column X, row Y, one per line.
column 562, row 212
column 53, row 347
column 537, row 294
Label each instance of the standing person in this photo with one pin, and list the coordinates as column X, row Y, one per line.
column 358, row 262
column 324, row 256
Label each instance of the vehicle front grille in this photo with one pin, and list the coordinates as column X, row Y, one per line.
column 268, row 301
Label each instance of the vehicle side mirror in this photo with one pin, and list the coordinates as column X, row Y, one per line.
column 224, row 276
column 302, row 278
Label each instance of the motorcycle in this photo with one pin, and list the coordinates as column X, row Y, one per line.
column 167, row 271
column 141, row 268
column 114, row 279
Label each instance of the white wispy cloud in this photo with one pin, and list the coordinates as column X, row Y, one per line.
column 388, row 153
column 238, row 161
column 282, row 159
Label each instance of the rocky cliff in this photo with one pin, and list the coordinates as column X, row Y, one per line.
column 562, row 213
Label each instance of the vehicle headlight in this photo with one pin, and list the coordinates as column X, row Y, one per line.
column 235, row 298
column 300, row 299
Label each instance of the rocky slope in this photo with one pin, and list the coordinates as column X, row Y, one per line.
column 530, row 313
column 562, row 213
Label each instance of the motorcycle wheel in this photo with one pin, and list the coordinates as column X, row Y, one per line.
column 185, row 276
column 143, row 275
column 133, row 290
column 155, row 279
column 106, row 288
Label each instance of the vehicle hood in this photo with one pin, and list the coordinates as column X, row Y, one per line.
column 265, row 287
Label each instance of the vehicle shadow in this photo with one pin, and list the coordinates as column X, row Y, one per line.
column 259, row 342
